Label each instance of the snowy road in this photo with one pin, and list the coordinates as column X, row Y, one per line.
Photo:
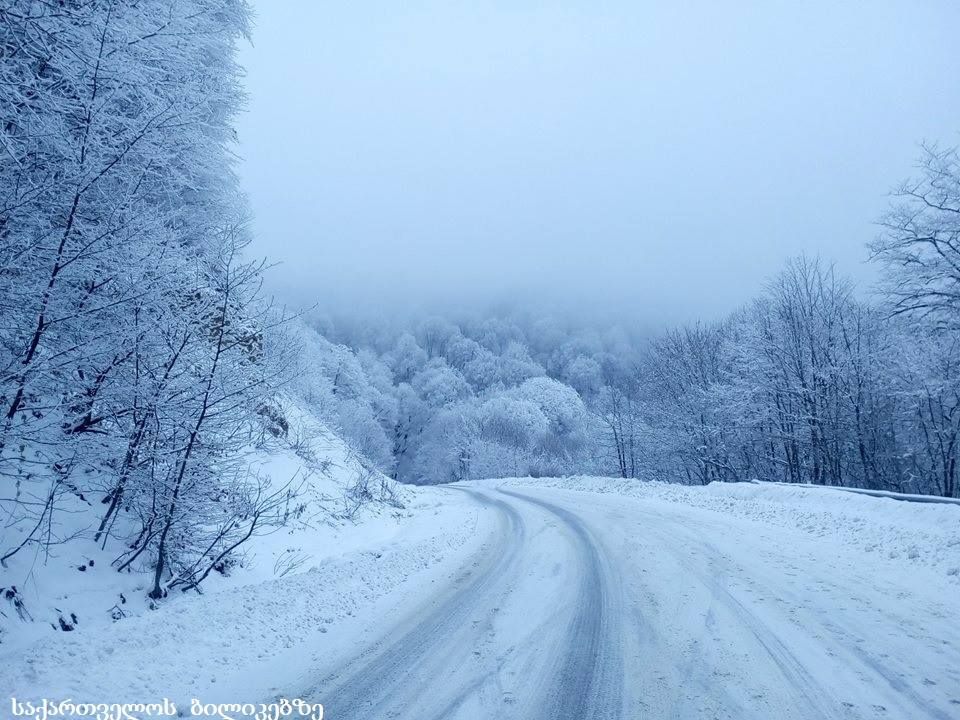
column 596, row 606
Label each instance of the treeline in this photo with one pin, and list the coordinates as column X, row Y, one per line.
column 137, row 365
column 807, row 383
column 810, row 384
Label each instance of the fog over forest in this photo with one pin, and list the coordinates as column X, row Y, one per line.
column 632, row 240
column 651, row 161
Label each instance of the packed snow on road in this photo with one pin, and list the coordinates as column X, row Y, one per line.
column 584, row 597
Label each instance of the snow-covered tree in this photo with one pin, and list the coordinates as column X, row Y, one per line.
column 920, row 244
column 136, row 357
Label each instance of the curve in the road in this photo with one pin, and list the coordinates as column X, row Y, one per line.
column 589, row 681
column 380, row 680
column 435, row 667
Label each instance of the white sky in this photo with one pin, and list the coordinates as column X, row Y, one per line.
column 656, row 159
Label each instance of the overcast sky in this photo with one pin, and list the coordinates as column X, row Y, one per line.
column 656, row 158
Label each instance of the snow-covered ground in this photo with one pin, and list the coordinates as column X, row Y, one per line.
column 582, row 597
column 355, row 539
column 619, row 600
column 903, row 535
column 243, row 641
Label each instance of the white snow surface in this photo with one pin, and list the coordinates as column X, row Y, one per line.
column 901, row 534
column 564, row 597
column 345, row 555
column 75, row 580
column 242, row 642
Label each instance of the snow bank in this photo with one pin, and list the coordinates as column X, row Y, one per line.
column 917, row 534
column 74, row 585
column 240, row 645
column 357, row 537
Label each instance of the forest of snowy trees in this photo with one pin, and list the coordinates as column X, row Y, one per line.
column 806, row 383
column 139, row 362
column 136, row 356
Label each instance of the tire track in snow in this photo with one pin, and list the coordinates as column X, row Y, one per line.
column 450, row 661
column 817, row 699
column 588, row 682
column 810, row 694
column 382, row 682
